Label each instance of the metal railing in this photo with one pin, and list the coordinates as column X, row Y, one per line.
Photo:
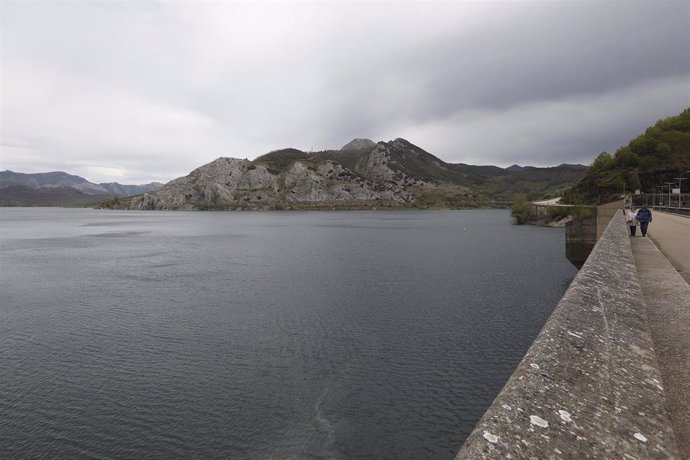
column 673, row 210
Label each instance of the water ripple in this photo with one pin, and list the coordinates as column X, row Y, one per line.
column 265, row 335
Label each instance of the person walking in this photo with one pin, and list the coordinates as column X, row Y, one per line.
column 644, row 217
column 631, row 220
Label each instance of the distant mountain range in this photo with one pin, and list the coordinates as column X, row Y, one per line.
column 61, row 189
column 367, row 174
column 362, row 174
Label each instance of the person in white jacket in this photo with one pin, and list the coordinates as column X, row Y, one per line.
column 631, row 220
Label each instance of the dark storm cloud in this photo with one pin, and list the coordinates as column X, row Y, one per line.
column 135, row 91
column 558, row 51
column 547, row 52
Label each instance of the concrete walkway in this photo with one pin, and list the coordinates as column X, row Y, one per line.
column 667, row 295
column 671, row 234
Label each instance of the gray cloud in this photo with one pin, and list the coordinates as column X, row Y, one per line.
column 138, row 91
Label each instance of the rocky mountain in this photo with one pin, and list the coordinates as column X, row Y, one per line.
column 60, row 189
column 362, row 174
column 515, row 168
column 359, row 144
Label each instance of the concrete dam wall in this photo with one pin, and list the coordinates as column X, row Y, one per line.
column 590, row 385
column 582, row 235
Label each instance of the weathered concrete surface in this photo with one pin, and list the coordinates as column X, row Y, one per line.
column 668, row 307
column 590, row 386
column 671, row 233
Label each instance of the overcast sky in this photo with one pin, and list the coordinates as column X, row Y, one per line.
column 135, row 91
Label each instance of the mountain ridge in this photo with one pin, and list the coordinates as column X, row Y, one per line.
column 58, row 188
column 362, row 174
column 386, row 174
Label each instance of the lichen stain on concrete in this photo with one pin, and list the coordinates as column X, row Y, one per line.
column 536, row 420
column 565, row 415
column 490, row 437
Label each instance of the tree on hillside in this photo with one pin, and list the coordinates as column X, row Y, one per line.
column 521, row 209
column 603, row 161
column 650, row 159
column 626, row 158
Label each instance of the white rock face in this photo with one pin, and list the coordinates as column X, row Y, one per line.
column 232, row 183
column 376, row 168
column 216, row 184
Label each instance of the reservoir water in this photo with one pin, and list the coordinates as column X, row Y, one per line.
column 263, row 335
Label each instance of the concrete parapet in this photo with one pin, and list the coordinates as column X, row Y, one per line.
column 580, row 238
column 604, row 214
column 590, row 386
column 582, row 234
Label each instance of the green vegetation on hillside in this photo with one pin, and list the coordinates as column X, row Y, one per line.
column 280, row 160
column 656, row 157
column 533, row 183
column 521, row 209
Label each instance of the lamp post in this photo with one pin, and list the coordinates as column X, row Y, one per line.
column 660, row 193
column 669, row 184
column 680, row 189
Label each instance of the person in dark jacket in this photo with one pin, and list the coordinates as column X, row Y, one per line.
column 644, row 217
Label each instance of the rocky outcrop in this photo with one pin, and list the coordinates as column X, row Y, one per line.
column 376, row 167
column 291, row 179
column 359, row 144
column 223, row 182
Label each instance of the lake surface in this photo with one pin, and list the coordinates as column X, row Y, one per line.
column 264, row 335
